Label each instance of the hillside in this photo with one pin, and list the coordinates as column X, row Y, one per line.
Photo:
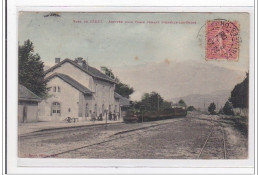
column 198, row 100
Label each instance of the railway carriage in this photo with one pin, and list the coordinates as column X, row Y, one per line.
column 132, row 116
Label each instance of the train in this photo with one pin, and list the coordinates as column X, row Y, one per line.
column 144, row 116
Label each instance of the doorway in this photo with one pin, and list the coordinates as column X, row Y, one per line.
column 86, row 110
column 24, row 114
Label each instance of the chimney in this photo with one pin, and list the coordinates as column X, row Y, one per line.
column 80, row 61
column 84, row 64
column 57, row 60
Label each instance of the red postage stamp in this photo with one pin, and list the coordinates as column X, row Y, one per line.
column 222, row 40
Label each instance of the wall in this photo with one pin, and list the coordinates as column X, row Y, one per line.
column 104, row 94
column 20, row 113
column 68, row 97
column 75, row 73
column 89, row 101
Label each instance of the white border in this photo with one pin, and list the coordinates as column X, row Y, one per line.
column 181, row 166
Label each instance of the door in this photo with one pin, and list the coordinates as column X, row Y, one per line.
column 86, row 110
column 24, row 113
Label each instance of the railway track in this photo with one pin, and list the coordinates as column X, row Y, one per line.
column 214, row 146
column 116, row 136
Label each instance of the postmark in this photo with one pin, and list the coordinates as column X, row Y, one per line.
column 222, row 40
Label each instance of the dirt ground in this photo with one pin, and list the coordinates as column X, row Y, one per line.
column 196, row 136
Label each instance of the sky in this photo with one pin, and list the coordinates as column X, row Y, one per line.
column 128, row 47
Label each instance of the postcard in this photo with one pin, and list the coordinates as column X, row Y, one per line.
column 133, row 86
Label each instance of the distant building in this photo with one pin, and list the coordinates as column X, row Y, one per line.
column 178, row 105
column 27, row 105
column 77, row 90
column 241, row 111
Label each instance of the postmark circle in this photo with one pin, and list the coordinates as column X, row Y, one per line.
column 222, row 40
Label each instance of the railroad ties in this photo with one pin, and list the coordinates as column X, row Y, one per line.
column 215, row 145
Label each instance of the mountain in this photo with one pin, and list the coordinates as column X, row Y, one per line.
column 198, row 100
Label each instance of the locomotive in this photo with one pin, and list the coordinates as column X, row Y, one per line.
column 143, row 116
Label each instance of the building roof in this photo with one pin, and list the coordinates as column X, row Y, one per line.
column 70, row 81
column 26, row 94
column 122, row 100
column 117, row 96
column 87, row 69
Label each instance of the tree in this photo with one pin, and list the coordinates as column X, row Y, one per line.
column 165, row 105
column 124, row 89
column 228, row 109
column 30, row 70
column 239, row 95
column 191, row 108
column 182, row 103
column 212, row 108
column 121, row 88
column 108, row 72
column 154, row 102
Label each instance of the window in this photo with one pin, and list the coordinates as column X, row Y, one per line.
column 56, row 88
column 56, row 108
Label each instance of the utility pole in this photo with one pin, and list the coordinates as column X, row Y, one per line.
column 158, row 102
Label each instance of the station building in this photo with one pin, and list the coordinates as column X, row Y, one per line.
column 78, row 90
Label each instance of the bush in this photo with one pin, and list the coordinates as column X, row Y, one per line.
column 213, row 113
column 228, row 108
column 212, row 108
column 221, row 111
column 191, row 108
